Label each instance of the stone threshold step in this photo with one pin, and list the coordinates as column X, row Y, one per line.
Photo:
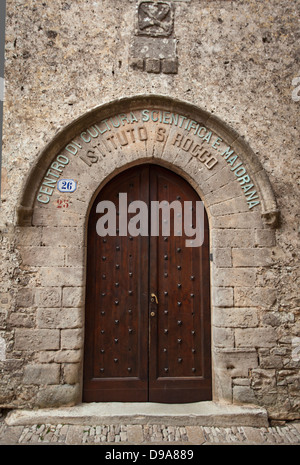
column 112, row 413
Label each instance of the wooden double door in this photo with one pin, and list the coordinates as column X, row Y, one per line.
column 147, row 325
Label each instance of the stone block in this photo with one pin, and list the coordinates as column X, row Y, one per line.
column 65, row 217
column 223, row 337
column 222, row 296
column 245, row 220
column 71, row 339
column 169, row 66
column 2, row 349
column 152, row 65
column 58, row 236
column 222, row 257
column 3, row 319
column 36, row 339
column 42, row 256
column 5, row 300
column 75, row 256
column 241, row 382
column 28, row 236
column 59, row 318
column 41, row 374
column 149, row 47
column 268, row 360
column 235, row 317
column 25, row 297
column 58, row 395
column 235, row 362
column 71, row 373
column 60, row 356
column 227, row 207
column 136, row 63
column 22, row 320
column 265, row 237
column 234, row 277
column 263, row 379
column 224, row 195
column 277, row 318
column 229, row 238
column 256, row 296
column 73, row 296
column 48, row 297
column 221, row 178
column 64, row 276
column 251, row 257
column 222, row 385
column 243, row 395
column 255, row 337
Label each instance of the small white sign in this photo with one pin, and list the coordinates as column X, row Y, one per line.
column 67, row 185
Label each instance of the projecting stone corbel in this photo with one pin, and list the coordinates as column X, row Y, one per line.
column 271, row 218
column 24, row 215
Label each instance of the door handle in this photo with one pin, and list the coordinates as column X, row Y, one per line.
column 154, row 298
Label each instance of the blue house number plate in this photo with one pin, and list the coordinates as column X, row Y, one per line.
column 66, row 185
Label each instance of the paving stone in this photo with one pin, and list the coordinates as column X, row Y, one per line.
column 195, row 434
column 297, row 426
column 10, row 435
column 146, row 434
column 253, row 435
column 289, row 435
column 74, row 435
column 134, row 433
column 123, row 436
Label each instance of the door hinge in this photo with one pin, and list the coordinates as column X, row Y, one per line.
column 211, row 257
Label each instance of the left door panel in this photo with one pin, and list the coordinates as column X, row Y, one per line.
column 116, row 323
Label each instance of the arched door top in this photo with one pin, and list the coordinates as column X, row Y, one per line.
column 149, row 128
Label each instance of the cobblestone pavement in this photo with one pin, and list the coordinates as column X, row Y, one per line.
column 287, row 434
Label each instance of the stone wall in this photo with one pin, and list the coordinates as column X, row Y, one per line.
column 235, row 60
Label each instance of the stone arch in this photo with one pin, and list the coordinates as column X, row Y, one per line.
column 242, row 213
column 230, row 138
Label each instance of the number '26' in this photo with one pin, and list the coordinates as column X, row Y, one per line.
column 66, row 185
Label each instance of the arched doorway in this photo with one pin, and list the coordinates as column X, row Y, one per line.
column 54, row 224
column 147, row 330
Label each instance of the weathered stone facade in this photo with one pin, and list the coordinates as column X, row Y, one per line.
column 84, row 101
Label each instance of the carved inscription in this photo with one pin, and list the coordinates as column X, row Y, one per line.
column 113, row 134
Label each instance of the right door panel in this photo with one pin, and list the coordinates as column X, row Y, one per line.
column 179, row 342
